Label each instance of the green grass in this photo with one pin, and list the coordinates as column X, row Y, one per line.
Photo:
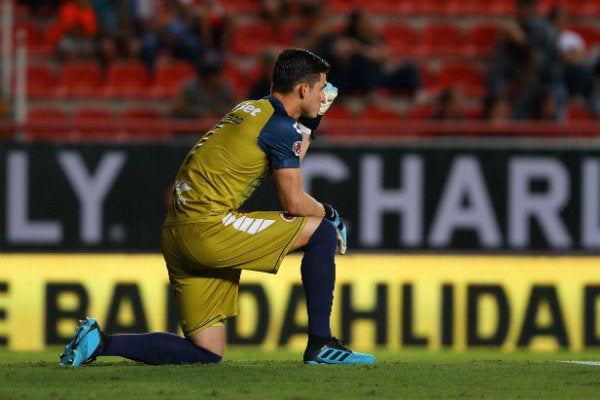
column 255, row 374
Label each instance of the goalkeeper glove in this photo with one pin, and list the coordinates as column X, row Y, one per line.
column 331, row 93
column 334, row 217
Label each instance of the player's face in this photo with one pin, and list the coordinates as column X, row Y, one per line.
column 314, row 98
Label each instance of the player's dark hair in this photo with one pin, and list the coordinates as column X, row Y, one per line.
column 296, row 66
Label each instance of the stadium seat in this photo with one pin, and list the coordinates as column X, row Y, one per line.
column 137, row 113
column 31, row 30
column 378, row 112
column 242, row 7
column 465, row 77
column 249, row 39
column 339, row 111
column 168, row 78
column 79, row 79
column 473, row 112
column 141, row 123
column 384, row 7
column 401, row 39
column 337, row 7
column 421, row 111
column 421, row 7
column 92, row 123
column 590, row 33
column 467, row 7
column 481, row 38
column 578, row 113
column 440, row 39
column 46, row 123
column 127, row 79
column 238, row 79
column 41, row 81
column 36, row 44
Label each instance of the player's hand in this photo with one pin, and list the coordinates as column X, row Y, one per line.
column 332, row 215
column 331, row 93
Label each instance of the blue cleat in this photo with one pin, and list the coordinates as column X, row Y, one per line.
column 86, row 346
column 334, row 352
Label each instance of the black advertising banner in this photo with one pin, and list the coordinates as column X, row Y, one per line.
column 396, row 197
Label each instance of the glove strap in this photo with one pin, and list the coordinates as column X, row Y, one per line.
column 311, row 123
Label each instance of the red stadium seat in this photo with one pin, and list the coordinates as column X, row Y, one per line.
column 440, row 39
column 422, row 7
column 237, row 78
column 422, row 111
column 48, row 123
column 590, row 33
column 465, row 77
column 250, row 39
column 388, row 7
column 243, row 7
column 142, row 123
column 85, row 114
column 79, row 79
column 339, row 111
column 578, row 113
column 134, row 113
column 127, row 79
column 481, row 38
column 401, row 39
column 169, row 76
column 33, row 37
column 378, row 112
column 41, row 81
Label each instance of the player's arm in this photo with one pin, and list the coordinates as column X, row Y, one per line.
column 306, row 139
column 292, row 196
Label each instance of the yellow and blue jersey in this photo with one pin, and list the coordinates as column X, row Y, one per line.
column 205, row 240
column 231, row 160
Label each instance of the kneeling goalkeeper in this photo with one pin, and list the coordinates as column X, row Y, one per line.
column 207, row 242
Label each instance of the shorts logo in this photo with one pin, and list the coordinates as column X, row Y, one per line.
column 287, row 217
column 247, row 224
column 297, row 148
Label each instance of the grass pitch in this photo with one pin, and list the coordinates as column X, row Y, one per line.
column 255, row 374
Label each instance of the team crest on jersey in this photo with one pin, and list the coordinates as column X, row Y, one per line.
column 297, row 148
column 287, row 217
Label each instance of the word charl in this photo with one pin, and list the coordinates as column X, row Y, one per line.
column 456, row 200
column 454, row 321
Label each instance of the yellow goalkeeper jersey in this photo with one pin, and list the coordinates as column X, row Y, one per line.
column 230, row 161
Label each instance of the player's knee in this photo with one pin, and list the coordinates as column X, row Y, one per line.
column 325, row 235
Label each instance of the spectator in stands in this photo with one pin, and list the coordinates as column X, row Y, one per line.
column 319, row 36
column 41, row 7
column 277, row 12
column 578, row 63
column 496, row 108
column 75, row 30
column 450, row 106
column 544, row 107
column 170, row 32
column 214, row 25
column 370, row 65
column 526, row 62
column 206, row 95
column 116, row 34
column 262, row 87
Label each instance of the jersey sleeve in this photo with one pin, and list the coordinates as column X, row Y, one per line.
column 282, row 143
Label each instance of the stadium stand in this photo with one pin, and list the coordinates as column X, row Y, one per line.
column 450, row 39
column 77, row 79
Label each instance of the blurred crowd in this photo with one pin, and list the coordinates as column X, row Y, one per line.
column 536, row 67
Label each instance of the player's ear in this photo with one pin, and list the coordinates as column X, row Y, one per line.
column 303, row 90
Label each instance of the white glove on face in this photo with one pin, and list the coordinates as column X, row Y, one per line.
column 331, row 93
